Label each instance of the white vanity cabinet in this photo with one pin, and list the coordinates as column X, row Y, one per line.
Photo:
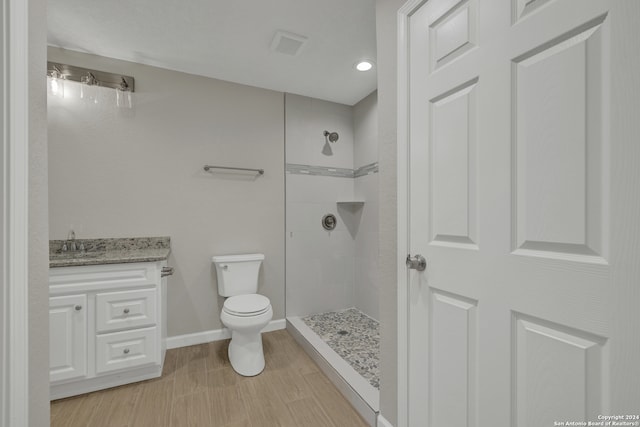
column 107, row 326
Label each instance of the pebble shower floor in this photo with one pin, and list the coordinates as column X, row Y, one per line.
column 354, row 336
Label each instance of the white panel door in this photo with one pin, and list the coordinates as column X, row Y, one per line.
column 524, row 198
column 67, row 337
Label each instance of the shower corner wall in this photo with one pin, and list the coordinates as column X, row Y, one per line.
column 320, row 268
column 332, row 271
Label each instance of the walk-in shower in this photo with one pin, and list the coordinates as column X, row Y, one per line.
column 332, row 242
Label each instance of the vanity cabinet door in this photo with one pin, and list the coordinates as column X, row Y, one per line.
column 67, row 337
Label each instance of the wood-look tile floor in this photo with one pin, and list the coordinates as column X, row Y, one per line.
column 199, row 388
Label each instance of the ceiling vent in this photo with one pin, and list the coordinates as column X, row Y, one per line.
column 288, row 43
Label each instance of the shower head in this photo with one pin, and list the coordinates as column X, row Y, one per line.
column 331, row 136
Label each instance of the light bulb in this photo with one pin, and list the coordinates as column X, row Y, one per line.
column 364, row 66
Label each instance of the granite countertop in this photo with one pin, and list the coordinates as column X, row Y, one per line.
column 109, row 251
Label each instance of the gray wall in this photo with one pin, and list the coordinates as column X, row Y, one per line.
column 386, row 29
column 139, row 173
column 38, row 225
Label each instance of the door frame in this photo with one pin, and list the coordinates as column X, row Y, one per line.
column 14, row 203
column 403, row 206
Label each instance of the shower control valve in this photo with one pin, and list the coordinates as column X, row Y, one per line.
column 416, row 262
column 329, row 222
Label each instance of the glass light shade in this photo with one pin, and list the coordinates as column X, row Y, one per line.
column 124, row 99
column 55, row 86
column 88, row 91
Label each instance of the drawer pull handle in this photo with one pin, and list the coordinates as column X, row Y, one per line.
column 126, row 311
column 78, row 307
column 126, row 351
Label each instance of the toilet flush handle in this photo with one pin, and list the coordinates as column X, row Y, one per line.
column 225, row 267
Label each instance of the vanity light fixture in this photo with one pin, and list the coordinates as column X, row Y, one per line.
column 89, row 79
column 364, row 65
column 89, row 76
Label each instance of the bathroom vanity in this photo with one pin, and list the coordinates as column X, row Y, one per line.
column 107, row 313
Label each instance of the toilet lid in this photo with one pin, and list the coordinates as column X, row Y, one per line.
column 247, row 305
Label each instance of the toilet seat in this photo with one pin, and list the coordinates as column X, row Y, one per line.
column 247, row 305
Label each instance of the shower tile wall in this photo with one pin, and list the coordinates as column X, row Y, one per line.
column 329, row 271
column 306, row 120
column 365, row 123
column 320, row 264
column 365, row 290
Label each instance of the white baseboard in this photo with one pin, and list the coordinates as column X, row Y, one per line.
column 382, row 421
column 275, row 325
column 215, row 335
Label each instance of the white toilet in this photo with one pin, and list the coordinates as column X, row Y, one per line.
column 245, row 312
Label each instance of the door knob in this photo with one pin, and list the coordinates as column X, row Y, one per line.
column 416, row 262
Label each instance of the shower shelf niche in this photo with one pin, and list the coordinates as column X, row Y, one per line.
column 350, row 212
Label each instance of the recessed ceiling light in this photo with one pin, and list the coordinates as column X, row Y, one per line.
column 364, row 65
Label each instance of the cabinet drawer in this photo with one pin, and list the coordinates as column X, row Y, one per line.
column 121, row 350
column 105, row 277
column 125, row 310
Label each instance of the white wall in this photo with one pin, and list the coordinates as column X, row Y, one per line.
column 38, row 224
column 320, row 264
column 140, row 174
column 365, row 129
column 386, row 31
column 365, row 122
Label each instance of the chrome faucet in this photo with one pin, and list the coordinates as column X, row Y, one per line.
column 72, row 237
column 70, row 244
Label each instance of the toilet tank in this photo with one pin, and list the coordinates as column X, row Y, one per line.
column 237, row 274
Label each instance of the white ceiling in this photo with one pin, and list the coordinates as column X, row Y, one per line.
column 230, row 40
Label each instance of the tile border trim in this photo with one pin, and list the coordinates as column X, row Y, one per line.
column 298, row 169
column 366, row 170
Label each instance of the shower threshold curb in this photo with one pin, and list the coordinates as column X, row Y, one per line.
column 359, row 392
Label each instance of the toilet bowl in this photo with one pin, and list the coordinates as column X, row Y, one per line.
column 246, row 316
column 245, row 312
